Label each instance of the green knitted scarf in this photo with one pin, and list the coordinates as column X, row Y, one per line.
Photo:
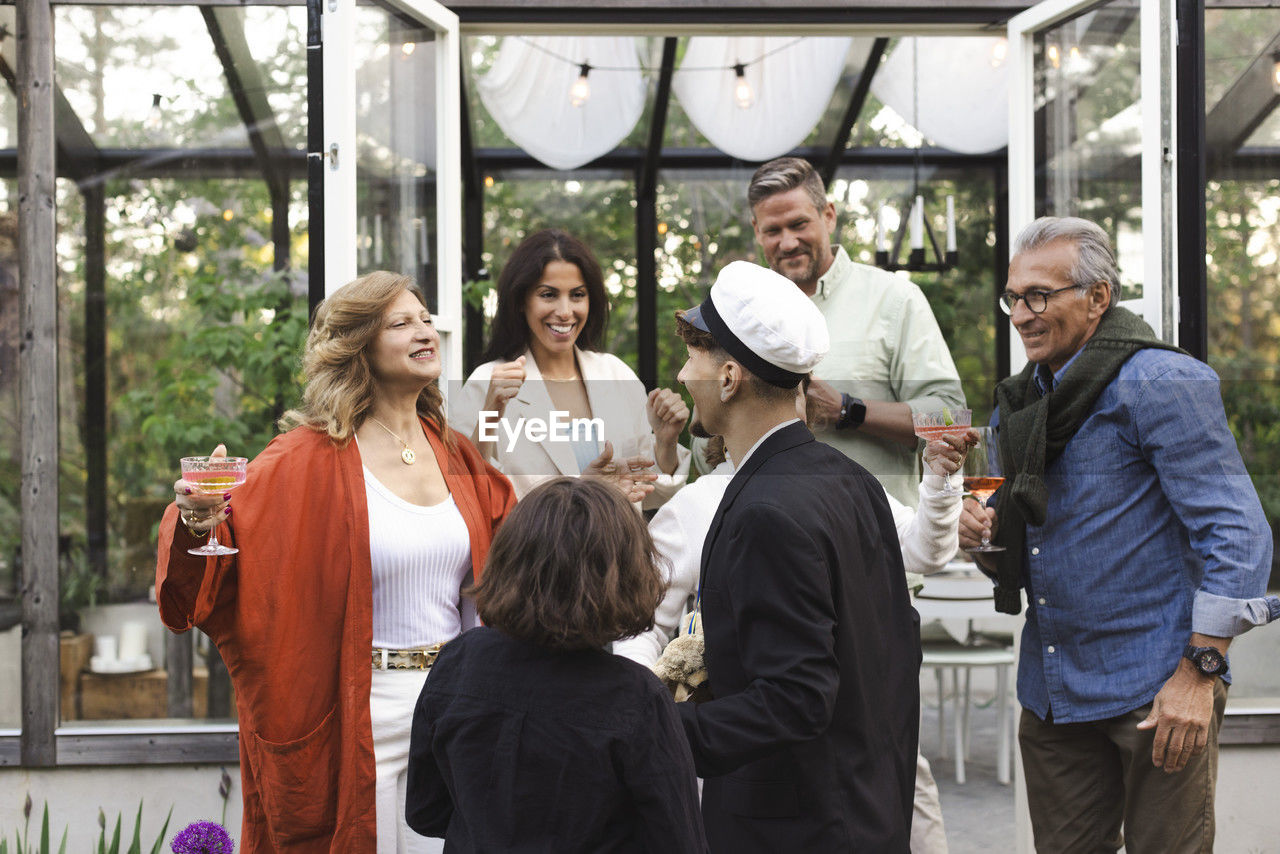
column 1035, row 429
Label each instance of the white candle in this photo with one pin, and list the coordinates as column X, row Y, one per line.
column 133, row 640
column 882, row 236
column 951, row 223
column 917, row 223
column 104, row 647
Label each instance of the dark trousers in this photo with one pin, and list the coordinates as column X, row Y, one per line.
column 1091, row 787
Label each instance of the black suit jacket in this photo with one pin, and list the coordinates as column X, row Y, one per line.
column 813, row 657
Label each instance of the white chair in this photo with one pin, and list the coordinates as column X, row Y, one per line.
column 953, row 657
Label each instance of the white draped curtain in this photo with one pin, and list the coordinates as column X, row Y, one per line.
column 792, row 79
column 527, row 93
column 954, row 91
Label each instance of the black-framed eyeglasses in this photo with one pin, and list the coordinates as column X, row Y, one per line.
column 1037, row 301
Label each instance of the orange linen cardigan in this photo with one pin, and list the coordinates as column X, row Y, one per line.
column 292, row 615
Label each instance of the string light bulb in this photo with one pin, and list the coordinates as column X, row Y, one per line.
column 155, row 116
column 999, row 52
column 1275, row 72
column 580, row 91
column 742, row 93
column 408, row 48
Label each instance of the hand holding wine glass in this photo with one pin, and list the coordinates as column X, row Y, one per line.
column 934, row 425
column 982, row 477
column 203, row 495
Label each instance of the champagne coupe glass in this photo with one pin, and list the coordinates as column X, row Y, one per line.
column 982, row 476
column 214, row 476
column 935, row 425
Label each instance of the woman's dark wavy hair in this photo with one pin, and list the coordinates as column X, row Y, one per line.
column 509, row 334
column 572, row 567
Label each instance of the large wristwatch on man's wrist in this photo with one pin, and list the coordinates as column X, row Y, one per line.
column 852, row 412
column 1208, row 660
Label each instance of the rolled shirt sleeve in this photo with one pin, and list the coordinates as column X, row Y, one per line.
column 1183, row 430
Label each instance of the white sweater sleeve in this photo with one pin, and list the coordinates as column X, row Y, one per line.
column 929, row 535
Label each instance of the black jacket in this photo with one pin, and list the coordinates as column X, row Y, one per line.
column 516, row 747
column 813, row 656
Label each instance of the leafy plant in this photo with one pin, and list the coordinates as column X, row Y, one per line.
column 135, row 845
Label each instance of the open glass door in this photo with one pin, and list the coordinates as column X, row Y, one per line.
column 390, row 151
column 1091, row 130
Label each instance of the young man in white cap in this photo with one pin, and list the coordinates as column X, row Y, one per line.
column 812, row 646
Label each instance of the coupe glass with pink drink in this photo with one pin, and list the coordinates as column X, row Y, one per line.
column 935, row 425
column 214, row 476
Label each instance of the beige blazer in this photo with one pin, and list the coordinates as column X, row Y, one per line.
column 617, row 398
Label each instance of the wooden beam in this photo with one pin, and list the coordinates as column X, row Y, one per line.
column 851, row 112
column 38, row 383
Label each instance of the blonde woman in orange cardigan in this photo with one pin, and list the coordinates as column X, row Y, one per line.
column 357, row 531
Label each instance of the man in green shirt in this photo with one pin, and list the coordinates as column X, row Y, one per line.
column 888, row 358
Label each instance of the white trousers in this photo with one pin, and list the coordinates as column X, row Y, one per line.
column 391, row 703
column 928, row 836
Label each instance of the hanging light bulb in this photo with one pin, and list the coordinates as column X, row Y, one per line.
column 999, row 52
column 742, row 93
column 408, row 48
column 155, row 116
column 1055, row 55
column 580, row 91
column 1275, row 71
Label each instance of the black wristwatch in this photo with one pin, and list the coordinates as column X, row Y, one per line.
column 1207, row 659
column 852, row 412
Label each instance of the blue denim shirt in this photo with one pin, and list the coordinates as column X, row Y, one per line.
column 1154, row 532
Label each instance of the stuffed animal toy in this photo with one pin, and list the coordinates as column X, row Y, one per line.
column 682, row 667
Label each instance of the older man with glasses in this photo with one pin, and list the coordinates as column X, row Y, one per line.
column 1130, row 521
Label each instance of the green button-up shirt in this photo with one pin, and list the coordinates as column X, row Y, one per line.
column 885, row 345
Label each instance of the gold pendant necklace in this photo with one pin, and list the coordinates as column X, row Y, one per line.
column 407, row 454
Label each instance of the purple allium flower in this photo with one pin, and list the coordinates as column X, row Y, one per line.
column 203, row 837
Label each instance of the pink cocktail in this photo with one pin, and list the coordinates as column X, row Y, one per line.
column 943, row 422
column 214, row 476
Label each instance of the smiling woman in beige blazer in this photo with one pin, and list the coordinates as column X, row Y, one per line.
column 543, row 358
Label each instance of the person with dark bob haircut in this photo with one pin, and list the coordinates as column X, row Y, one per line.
column 529, row 735
column 543, row 362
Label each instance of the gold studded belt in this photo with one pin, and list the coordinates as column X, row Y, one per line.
column 406, row 659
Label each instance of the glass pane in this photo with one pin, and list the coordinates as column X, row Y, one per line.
column 1233, row 39
column 145, row 77
column 396, row 147
column 705, row 224
column 8, row 118
column 1242, row 231
column 274, row 36
column 202, row 339
column 179, row 327
column 1089, row 128
column 10, row 453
